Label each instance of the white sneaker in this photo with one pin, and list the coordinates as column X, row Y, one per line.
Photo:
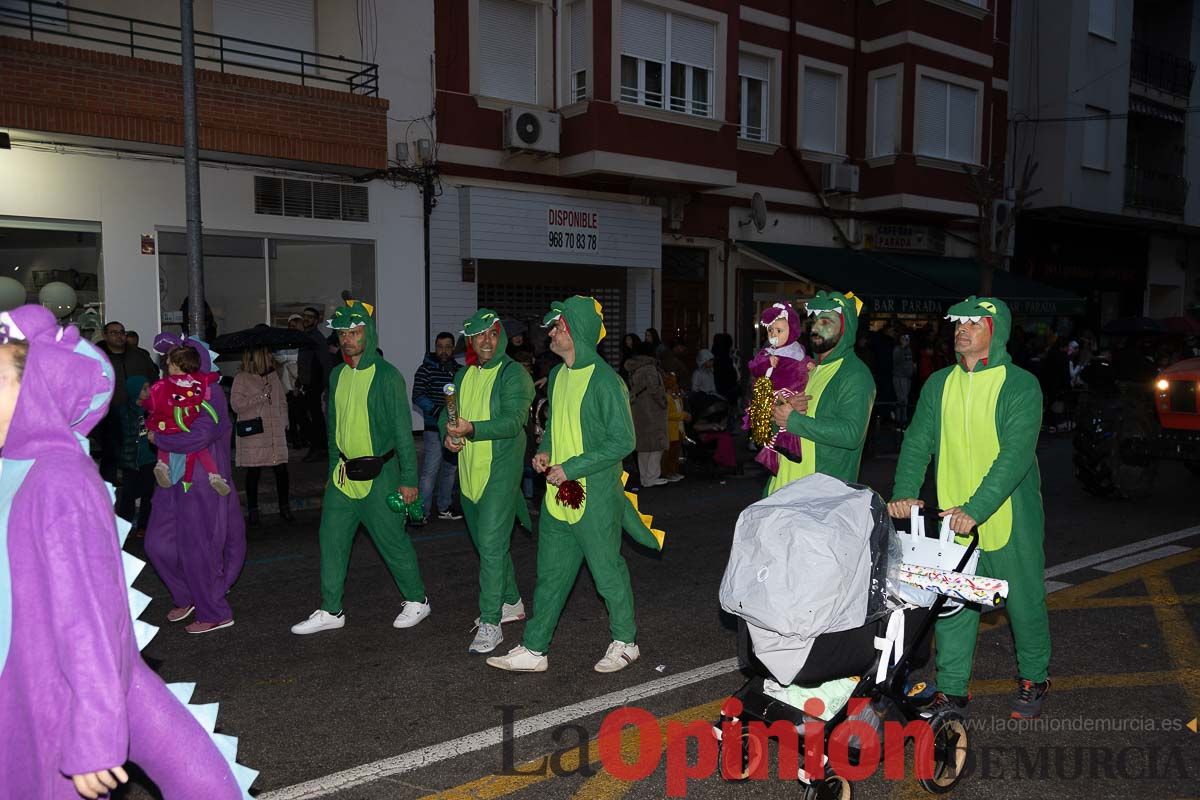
column 676, row 478
column 318, row 621
column 411, row 613
column 655, row 482
column 487, row 638
column 618, row 656
column 520, row 660
column 509, row 612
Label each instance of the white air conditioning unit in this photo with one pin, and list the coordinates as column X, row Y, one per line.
column 1001, row 211
column 528, row 129
column 842, row 178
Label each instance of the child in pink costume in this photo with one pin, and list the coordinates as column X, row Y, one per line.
column 173, row 404
column 786, row 363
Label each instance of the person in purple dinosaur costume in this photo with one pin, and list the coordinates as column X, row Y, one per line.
column 196, row 540
column 77, row 702
column 785, row 362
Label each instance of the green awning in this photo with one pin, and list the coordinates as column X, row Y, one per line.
column 895, row 283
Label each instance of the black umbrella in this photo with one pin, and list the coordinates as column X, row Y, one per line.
column 232, row 345
column 1132, row 326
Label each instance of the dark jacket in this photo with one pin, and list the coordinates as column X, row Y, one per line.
column 314, row 362
column 136, row 450
column 133, row 361
column 428, row 383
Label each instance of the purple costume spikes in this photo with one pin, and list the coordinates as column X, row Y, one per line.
column 75, row 695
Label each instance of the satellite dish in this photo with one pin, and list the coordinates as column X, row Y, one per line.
column 758, row 212
column 529, row 128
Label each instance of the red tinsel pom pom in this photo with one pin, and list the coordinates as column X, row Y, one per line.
column 570, row 493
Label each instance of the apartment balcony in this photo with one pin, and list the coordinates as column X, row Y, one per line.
column 89, row 75
column 1161, row 72
column 1157, row 192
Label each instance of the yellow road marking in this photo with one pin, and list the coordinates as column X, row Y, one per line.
column 1180, row 638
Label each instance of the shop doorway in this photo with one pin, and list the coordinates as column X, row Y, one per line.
column 523, row 291
column 685, row 297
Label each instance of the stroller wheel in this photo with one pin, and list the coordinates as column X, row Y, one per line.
column 833, row 787
column 752, row 755
column 949, row 753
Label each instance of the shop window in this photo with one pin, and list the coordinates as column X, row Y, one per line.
column 35, row 255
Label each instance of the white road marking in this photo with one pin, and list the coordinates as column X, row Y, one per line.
column 1141, row 558
column 481, row 740
column 406, row 762
column 1118, row 552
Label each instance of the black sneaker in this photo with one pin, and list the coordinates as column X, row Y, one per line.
column 947, row 702
column 1030, row 696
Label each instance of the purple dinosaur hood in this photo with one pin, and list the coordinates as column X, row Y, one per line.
column 770, row 314
column 166, row 342
column 66, row 387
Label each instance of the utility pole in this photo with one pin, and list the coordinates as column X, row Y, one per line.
column 191, row 173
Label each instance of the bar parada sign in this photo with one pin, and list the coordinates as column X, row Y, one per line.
column 907, row 305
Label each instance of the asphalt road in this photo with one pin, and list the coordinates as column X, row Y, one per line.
column 370, row 701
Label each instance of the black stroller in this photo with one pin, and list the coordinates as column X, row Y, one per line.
column 852, row 653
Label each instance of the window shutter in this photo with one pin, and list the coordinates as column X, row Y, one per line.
column 508, row 50
column 286, row 23
column 1095, row 139
column 961, row 129
column 752, row 66
column 578, row 33
column 820, row 111
column 1102, row 17
column 931, row 118
column 885, row 116
column 644, row 32
column 692, row 41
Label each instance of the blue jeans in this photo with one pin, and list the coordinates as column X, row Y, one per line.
column 437, row 473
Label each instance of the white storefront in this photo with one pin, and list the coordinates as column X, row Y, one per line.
column 516, row 251
column 114, row 226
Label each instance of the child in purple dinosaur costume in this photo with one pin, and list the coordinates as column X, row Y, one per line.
column 76, row 699
column 786, row 363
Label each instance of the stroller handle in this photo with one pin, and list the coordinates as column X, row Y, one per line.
column 973, row 534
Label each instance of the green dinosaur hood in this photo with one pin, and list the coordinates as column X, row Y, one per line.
column 585, row 319
column 847, row 305
column 990, row 308
column 353, row 315
column 476, row 324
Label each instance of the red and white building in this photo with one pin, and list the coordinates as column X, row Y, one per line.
column 654, row 124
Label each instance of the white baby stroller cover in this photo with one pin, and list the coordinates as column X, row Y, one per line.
column 800, row 566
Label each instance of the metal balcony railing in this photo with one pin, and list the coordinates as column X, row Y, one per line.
column 45, row 20
column 1161, row 70
column 1163, row 192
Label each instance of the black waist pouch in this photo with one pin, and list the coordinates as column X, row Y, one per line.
column 365, row 468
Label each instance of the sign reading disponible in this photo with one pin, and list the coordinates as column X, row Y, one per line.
column 572, row 229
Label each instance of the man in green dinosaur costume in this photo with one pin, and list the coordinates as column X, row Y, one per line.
column 832, row 416
column 371, row 455
column 979, row 421
column 493, row 396
column 588, row 433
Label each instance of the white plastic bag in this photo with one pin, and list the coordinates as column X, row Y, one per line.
column 940, row 553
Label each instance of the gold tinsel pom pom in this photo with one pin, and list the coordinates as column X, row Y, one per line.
column 762, row 402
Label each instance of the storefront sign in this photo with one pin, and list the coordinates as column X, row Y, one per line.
column 506, row 225
column 907, row 305
column 910, row 238
column 573, row 229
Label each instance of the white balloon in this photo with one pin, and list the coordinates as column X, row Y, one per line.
column 58, row 297
column 12, row 294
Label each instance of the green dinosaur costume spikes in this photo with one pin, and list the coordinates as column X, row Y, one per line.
column 495, row 397
column 842, row 394
column 589, row 432
column 981, row 429
column 368, row 416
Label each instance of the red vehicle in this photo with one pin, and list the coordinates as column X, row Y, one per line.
column 1124, row 431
